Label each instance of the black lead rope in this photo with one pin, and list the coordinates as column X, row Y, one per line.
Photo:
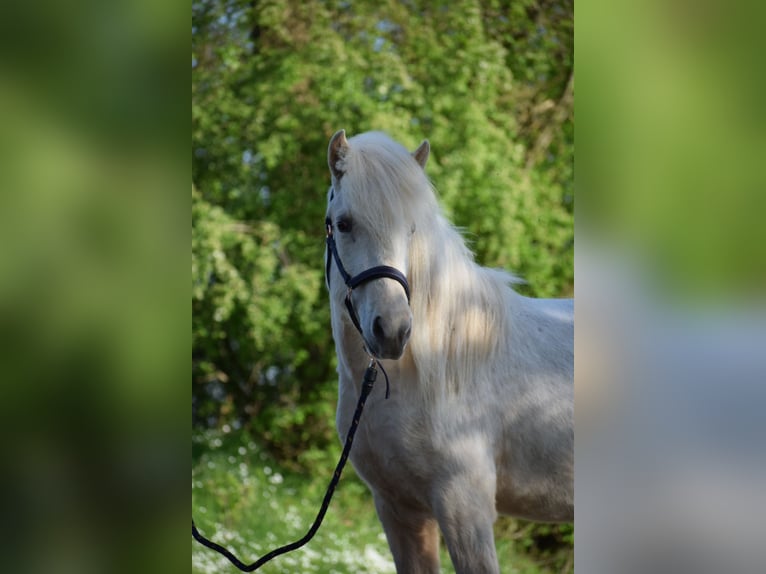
column 369, row 379
column 378, row 272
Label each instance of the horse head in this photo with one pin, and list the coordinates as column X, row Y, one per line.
column 369, row 234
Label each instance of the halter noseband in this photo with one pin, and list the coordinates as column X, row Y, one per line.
column 352, row 282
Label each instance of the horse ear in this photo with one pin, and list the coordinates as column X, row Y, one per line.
column 336, row 152
column 421, row 154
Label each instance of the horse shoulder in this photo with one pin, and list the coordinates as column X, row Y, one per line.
column 541, row 335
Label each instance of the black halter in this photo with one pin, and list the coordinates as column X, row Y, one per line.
column 352, row 282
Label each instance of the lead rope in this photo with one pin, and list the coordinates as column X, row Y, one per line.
column 369, row 379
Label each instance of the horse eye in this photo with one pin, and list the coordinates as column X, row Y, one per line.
column 344, row 225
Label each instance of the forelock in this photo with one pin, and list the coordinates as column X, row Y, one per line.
column 383, row 183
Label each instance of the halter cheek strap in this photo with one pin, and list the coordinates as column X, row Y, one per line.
column 352, row 282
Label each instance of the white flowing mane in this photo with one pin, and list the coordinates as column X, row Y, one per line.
column 461, row 311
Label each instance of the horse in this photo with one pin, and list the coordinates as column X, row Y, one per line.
column 479, row 420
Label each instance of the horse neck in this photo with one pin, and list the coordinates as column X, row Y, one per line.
column 459, row 308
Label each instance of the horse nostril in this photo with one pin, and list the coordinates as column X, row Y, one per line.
column 404, row 332
column 377, row 327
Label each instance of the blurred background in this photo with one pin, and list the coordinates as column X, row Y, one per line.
column 491, row 85
column 670, row 369
column 94, row 315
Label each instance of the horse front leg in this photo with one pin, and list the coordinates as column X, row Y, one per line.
column 465, row 510
column 413, row 537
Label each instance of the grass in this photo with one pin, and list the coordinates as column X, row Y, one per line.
column 243, row 499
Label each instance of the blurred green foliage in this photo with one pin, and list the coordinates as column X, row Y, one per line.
column 675, row 140
column 489, row 83
column 93, row 271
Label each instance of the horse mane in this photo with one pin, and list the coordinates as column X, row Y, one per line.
column 460, row 309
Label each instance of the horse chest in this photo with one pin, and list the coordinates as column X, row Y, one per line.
column 389, row 447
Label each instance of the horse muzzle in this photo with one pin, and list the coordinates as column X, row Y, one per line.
column 389, row 335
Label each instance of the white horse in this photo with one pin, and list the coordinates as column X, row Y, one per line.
column 480, row 416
